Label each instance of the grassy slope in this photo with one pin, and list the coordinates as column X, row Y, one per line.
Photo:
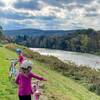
column 57, row 87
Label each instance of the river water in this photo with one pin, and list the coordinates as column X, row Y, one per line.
column 90, row 60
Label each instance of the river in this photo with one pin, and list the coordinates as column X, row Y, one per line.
column 90, row 60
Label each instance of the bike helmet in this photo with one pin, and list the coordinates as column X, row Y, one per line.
column 26, row 64
column 18, row 50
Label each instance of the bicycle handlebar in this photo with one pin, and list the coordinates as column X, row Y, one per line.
column 36, row 82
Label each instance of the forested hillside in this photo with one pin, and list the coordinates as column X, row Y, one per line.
column 87, row 40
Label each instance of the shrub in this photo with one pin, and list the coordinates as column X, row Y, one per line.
column 97, row 89
column 92, row 87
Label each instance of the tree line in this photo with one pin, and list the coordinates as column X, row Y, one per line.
column 87, row 41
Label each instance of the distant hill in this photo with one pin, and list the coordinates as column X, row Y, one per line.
column 84, row 40
column 37, row 32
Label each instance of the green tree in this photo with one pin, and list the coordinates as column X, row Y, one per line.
column 84, row 42
column 0, row 31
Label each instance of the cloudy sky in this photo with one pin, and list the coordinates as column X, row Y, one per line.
column 50, row 14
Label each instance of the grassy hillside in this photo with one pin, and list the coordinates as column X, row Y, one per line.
column 57, row 87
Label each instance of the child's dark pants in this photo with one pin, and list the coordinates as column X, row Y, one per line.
column 25, row 97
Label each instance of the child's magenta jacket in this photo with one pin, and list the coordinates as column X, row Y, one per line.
column 24, row 83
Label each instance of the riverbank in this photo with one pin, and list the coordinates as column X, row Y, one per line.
column 86, row 59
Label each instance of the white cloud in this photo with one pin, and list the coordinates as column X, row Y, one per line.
column 61, row 14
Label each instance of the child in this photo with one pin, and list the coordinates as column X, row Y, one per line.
column 24, row 80
column 21, row 57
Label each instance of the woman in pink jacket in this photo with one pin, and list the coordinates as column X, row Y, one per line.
column 24, row 80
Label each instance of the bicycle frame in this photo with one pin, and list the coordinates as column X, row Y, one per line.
column 12, row 69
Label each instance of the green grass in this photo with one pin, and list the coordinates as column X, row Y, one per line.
column 58, row 87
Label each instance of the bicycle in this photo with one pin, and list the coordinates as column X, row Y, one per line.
column 36, row 89
column 12, row 69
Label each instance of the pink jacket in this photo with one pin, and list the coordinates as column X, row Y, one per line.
column 21, row 58
column 24, row 83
